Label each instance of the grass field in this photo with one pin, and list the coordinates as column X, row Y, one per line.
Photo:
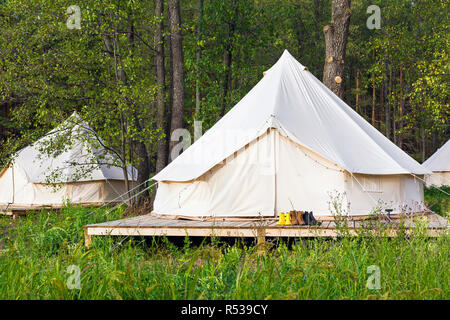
column 437, row 200
column 37, row 251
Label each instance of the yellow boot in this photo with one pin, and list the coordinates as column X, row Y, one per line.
column 281, row 221
column 288, row 219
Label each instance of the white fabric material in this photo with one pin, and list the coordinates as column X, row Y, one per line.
column 82, row 162
column 305, row 180
column 25, row 180
column 292, row 97
column 438, row 179
column 402, row 193
column 6, row 186
column 243, row 185
column 26, row 193
column 439, row 163
column 440, row 160
column 273, row 174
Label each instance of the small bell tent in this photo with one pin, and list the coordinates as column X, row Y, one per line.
column 289, row 144
column 83, row 173
column 439, row 164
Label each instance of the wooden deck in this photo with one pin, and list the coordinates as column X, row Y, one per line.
column 15, row 210
column 150, row 225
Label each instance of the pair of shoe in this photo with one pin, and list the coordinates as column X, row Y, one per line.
column 310, row 220
column 286, row 219
column 297, row 217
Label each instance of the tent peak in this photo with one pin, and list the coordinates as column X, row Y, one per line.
column 74, row 115
column 288, row 57
column 440, row 160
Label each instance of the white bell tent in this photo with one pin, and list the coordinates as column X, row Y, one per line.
column 83, row 172
column 290, row 143
column 439, row 164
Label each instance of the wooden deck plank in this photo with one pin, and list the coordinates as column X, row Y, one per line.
column 156, row 222
column 230, row 232
column 149, row 225
column 149, row 221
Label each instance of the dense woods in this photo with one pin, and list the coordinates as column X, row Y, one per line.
column 138, row 70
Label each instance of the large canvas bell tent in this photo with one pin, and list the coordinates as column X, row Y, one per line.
column 439, row 164
column 290, row 143
column 82, row 172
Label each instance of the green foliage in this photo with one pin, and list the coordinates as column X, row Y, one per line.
column 48, row 71
column 36, row 251
column 438, row 201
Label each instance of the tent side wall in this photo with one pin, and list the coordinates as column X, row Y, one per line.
column 274, row 174
column 114, row 190
column 36, row 194
column 24, row 193
column 14, row 186
column 6, row 189
column 366, row 193
column 438, row 179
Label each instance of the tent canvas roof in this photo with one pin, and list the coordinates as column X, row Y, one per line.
column 291, row 99
column 440, row 160
column 84, row 161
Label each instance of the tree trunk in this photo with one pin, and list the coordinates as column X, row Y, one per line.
column 4, row 115
column 381, row 104
column 228, row 60
column 124, row 163
column 113, row 47
column 169, row 65
column 178, row 67
column 198, row 57
column 357, row 91
column 387, row 110
column 298, row 29
column 336, row 35
column 317, row 19
column 422, row 133
column 400, row 111
column 161, row 153
column 374, row 96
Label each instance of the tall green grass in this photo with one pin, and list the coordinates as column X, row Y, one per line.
column 36, row 251
column 438, row 201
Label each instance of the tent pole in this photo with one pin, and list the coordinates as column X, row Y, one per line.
column 13, row 185
column 274, row 173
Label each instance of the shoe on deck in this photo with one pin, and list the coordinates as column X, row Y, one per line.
column 310, row 220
